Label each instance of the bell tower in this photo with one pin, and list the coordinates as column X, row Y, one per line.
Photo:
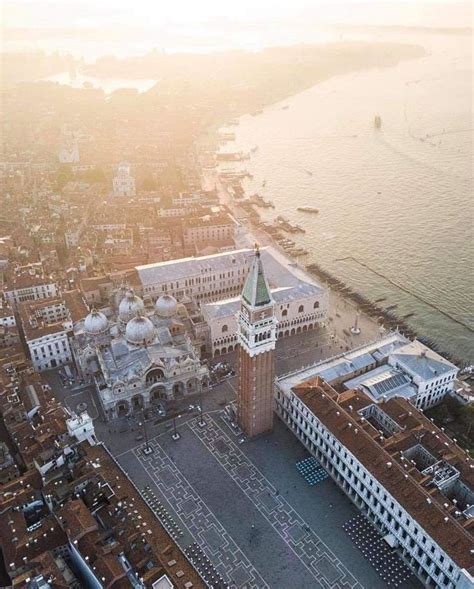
column 257, row 338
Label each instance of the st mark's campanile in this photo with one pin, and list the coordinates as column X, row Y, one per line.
column 257, row 339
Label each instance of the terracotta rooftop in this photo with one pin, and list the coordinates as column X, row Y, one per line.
column 75, row 304
column 341, row 415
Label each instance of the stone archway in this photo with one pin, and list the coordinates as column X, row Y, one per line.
column 154, row 375
column 193, row 386
column 293, row 331
column 158, row 394
column 137, row 403
column 122, row 408
column 178, row 390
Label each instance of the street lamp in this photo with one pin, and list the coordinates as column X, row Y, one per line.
column 201, row 421
column 147, row 449
column 175, row 435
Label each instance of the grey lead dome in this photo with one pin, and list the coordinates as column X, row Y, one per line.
column 130, row 306
column 139, row 331
column 95, row 323
column 166, row 306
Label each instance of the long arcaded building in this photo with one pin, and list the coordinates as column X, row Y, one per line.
column 411, row 480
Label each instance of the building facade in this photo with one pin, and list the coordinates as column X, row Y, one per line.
column 47, row 328
column 409, row 479
column 141, row 359
column 208, row 230
column 257, row 339
column 216, row 282
column 29, row 285
column 123, row 183
column 392, row 366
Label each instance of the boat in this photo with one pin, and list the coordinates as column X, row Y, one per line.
column 309, row 172
column 390, row 308
column 308, row 210
column 298, row 251
column 227, row 156
column 377, row 122
column 227, row 135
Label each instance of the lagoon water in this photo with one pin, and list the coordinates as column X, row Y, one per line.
column 398, row 199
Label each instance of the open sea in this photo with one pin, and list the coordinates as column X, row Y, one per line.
column 396, row 204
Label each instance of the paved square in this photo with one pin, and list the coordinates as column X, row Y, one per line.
column 167, row 477
column 268, row 502
column 221, row 446
column 328, row 569
column 189, row 506
column 212, row 539
column 240, row 576
column 250, row 511
column 296, row 532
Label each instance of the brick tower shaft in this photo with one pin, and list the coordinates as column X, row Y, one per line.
column 257, row 338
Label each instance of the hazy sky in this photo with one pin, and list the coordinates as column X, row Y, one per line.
column 79, row 13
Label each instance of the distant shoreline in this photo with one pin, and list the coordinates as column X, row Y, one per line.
column 407, row 52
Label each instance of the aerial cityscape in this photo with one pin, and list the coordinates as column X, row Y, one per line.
column 236, row 286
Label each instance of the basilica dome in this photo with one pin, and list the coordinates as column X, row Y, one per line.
column 140, row 330
column 166, row 306
column 130, row 306
column 95, row 323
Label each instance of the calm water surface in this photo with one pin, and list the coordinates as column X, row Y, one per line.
column 398, row 199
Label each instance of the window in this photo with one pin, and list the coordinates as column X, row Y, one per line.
column 284, row 313
column 225, row 329
column 300, row 309
column 316, row 305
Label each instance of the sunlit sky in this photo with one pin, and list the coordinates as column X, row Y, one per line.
column 34, row 13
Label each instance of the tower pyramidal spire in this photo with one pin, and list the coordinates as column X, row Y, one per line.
column 257, row 338
column 256, row 291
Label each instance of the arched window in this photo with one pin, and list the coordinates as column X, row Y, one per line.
column 300, row 309
column 316, row 305
column 225, row 328
column 284, row 313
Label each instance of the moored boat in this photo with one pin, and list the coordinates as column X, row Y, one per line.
column 308, row 209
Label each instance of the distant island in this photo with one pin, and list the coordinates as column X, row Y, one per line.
column 238, row 82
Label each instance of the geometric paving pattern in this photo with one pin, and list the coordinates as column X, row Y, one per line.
column 388, row 564
column 326, row 568
column 226, row 557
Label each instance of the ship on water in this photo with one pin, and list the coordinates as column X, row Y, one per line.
column 308, row 210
